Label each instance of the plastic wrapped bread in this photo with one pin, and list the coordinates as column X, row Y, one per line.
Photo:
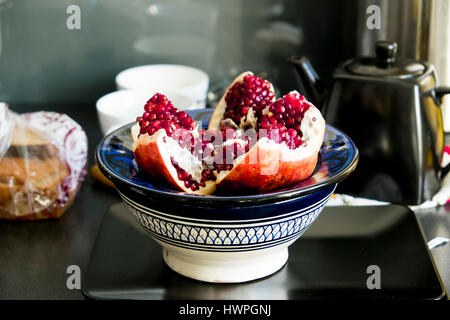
column 42, row 164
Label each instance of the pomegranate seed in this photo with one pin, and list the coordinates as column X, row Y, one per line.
column 186, row 122
column 182, row 115
column 290, row 122
column 292, row 132
column 143, row 123
column 280, row 109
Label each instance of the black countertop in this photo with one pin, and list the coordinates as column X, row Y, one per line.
column 34, row 256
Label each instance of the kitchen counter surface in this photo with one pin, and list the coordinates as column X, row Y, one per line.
column 34, row 256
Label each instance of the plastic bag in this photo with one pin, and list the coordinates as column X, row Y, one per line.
column 42, row 164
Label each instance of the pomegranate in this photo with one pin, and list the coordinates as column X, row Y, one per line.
column 289, row 134
column 168, row 146
column 253, row 142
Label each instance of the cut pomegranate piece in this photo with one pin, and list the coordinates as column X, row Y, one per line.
column 169, row 147
column 252, row 94
column 243, row 102
column 289, row 135
column 161, row 157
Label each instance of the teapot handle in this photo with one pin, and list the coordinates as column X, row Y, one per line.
column 444, row 171
column 437, row 94
column 440, row 92
column 310, row 83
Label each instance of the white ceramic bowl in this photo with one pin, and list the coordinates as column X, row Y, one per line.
column 121, row 107
column 185, row 80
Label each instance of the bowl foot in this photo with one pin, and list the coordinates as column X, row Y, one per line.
column 227, row 267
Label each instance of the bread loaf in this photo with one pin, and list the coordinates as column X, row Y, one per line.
column 32, row 178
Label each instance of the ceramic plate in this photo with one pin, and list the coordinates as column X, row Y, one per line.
column 338, row 158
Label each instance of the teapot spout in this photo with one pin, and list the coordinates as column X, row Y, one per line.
column 309, row 82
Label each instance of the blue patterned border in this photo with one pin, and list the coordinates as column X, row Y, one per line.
column 245, row 237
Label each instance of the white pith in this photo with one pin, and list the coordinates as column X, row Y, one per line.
column 312, row 127
column 249, row 121
column 169, row 148
column 135, row 134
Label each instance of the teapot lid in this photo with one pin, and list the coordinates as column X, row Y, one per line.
column 386, row 64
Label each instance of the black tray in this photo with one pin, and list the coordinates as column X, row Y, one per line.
column 329, row 261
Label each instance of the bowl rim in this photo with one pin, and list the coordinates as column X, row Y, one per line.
column 280, row 195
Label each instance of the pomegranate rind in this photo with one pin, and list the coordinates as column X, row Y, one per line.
column 269, row 172
column 153, row 158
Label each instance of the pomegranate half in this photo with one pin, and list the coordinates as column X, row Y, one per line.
column 164, row 138
column 289, row 133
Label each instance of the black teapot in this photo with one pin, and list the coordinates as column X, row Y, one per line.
column 390, row 107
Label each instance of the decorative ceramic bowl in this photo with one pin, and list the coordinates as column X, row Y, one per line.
column 220, row 238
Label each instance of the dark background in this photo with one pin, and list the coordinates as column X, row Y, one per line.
column 42, row 63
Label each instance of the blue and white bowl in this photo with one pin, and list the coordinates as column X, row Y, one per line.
column 225, row 238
